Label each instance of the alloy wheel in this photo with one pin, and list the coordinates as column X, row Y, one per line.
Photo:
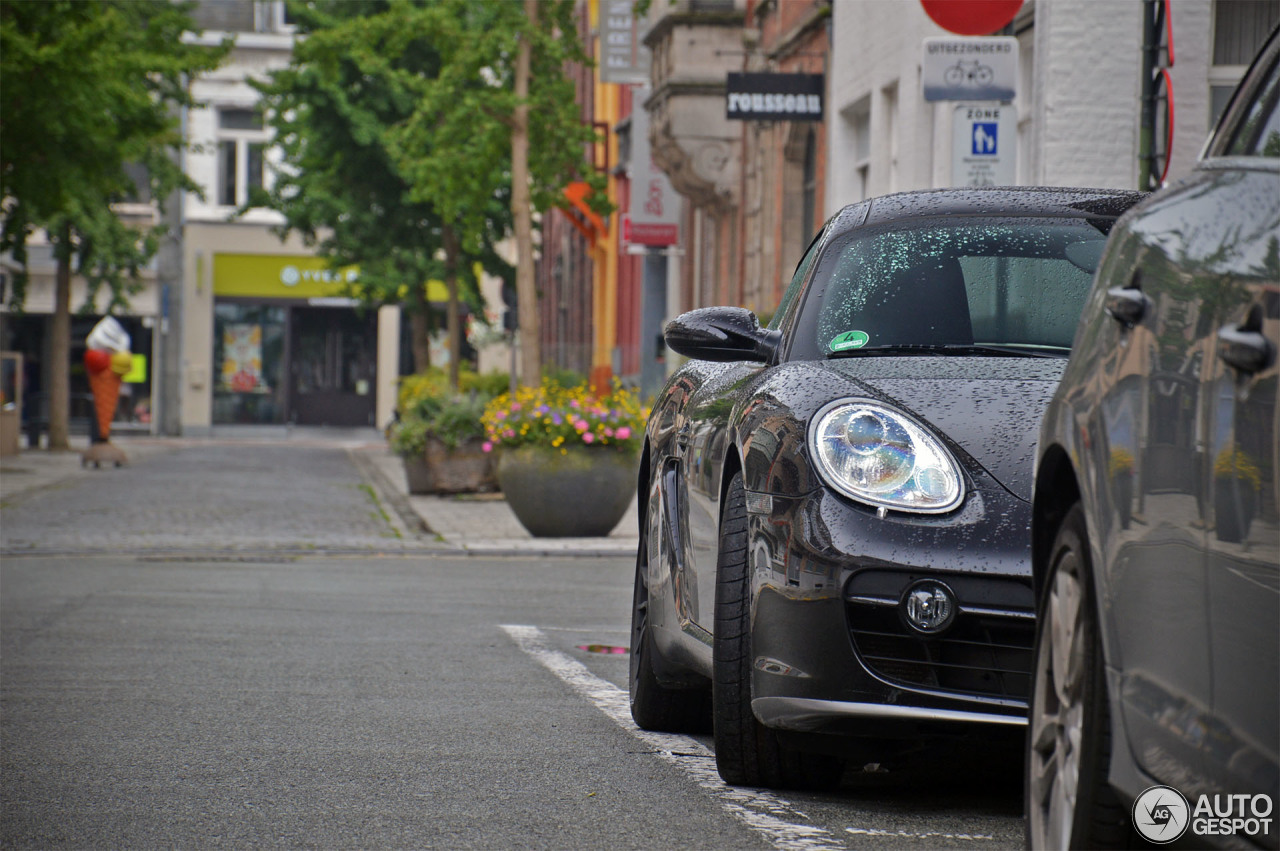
column 1058, row 709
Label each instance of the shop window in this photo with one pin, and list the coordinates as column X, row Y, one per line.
column 1239, row 29
column 274, row 16
column 800, row 193
column 809, row 188
column 248, row 354
column 889, row 99
column 264, row 16
column 859, row 120
column 224, row 15
column 140, row 180
column 241, row 144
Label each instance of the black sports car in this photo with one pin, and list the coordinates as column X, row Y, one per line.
column 835, row 510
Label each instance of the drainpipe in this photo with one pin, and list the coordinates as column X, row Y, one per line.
column 1156, row 25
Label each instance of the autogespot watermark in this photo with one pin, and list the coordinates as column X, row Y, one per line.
column 1162, row 814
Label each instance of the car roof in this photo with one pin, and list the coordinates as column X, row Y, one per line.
column 1031, row 201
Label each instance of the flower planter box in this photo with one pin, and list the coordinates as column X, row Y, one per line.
column 441, row 469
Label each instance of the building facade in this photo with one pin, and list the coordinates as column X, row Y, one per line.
column 267, row 336
column 753, row 189
column 756, row 192
column 28, row 333
column 1078, row 106
column 784, row 162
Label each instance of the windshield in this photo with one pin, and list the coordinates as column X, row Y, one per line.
column 1012, row 283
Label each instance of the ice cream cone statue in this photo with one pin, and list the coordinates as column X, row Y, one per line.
column 107, row 360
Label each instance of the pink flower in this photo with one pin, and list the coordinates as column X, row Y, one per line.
column 623, row 433
column 582, row 425
column 502, row 415
column 608, row 432
column 509, row 433
column 588, row 437
column 515, row 406
column 487, row 446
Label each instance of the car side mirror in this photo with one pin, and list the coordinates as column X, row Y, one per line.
column 721, row 334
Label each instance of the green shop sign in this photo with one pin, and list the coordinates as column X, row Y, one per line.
column 289, row 276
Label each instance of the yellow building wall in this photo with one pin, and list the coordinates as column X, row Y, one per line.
column 608, row 107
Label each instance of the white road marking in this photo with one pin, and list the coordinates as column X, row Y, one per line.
column 862, row 831
column 764, row 812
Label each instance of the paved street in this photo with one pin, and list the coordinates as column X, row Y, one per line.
column 247, row 643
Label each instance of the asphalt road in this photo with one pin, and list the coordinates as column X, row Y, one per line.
column 215, row 683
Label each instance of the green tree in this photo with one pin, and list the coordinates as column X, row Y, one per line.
column 347, row 85
column 88, row 90
column 498, row 118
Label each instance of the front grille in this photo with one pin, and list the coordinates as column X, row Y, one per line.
column 986, row 652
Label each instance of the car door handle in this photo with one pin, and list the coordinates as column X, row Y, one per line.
column 1244, row 347
column 1127, row 305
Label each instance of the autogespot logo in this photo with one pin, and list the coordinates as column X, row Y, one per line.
column 1161, row 814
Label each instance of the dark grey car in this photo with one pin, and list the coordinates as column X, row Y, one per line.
column 1156, row 549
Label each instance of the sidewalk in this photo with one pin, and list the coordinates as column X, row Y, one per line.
column 479, row 524
column 483, row 524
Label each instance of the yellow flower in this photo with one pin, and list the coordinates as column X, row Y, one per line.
column 1121, row 461
column 1235, row 463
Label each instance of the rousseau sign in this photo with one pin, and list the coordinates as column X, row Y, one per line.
column 774, row 97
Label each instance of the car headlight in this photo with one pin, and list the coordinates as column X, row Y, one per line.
column 882, row 457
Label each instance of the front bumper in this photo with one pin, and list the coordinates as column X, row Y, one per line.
column 832, row 651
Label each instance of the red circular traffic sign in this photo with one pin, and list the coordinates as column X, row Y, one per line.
column 971, row 17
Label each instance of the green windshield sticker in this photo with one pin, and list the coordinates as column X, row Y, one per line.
column 849, row 340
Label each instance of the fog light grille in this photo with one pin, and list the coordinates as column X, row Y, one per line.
column 985, row 651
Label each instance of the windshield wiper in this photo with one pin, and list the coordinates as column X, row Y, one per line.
column 953, row 349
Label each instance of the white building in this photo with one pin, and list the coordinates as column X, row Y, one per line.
column 1078, row 101
column 267, row 336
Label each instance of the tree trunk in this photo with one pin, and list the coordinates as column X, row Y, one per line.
column 60, row 347
column 521, row 210
column 453, row 318
column 419, row 327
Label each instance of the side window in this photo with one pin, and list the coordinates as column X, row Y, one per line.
column 797, row 281
column 1259, row 132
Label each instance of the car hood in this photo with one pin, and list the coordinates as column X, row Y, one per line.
column 988, row 406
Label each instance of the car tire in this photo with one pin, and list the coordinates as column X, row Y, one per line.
column 653, row 705
column 747, row 752
column 1069, row 801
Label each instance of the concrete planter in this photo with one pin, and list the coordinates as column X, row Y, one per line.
column 582, row 493
column 1234, row 504
column 416, row 474
column 442, row 469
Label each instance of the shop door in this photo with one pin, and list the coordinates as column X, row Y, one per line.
column 333, row 366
